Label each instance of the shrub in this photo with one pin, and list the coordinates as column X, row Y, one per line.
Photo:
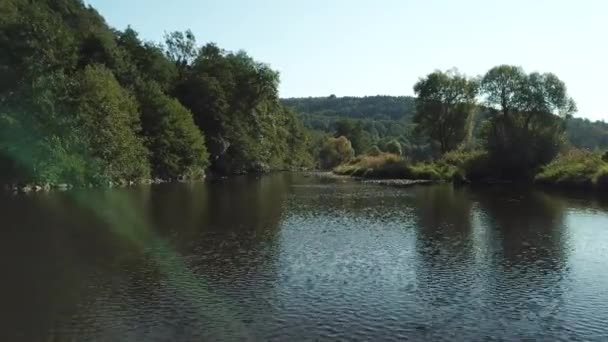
column 470, row 165
column 394, row 147
column 336, row 151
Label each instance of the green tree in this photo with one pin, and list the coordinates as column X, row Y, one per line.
column 177, row 146
column 336, row 151
column 148, row 59
column 526, row 127
column 444, row 104
column 109, row 121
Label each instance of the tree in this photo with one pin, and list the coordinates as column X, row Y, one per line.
column 109, row 122
column 83, row 103
column 444, row 103
column 148, row 59
column 336, row 151
column 502, row 86
column 181, row 48
column 177, row 146
column 526, row 127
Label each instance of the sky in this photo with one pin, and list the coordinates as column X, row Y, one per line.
column 372, row 47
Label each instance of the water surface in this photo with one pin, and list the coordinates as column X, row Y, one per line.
column 288, row 257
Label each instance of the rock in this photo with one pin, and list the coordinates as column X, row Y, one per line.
column 46, row 187
column 63, row 187
column 131, row 183
column 25, row 189
column 37, row 188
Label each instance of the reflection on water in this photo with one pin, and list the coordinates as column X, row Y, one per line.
column 285, row 257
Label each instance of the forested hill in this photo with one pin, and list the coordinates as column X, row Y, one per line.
column 387, row 117
column 84, row 103
column 380, row 107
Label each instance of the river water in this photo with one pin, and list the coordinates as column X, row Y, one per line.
column 294, row 258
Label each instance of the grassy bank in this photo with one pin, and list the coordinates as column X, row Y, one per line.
column 576, row 169
column 573, row 169
column 391, row 166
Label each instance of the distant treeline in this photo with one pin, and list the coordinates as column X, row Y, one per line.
column 387, row 118
column 83, row 103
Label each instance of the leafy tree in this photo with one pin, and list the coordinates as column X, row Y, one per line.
column 526, row 127
column 109, row 122
column 336, row 151
column 444, row 104
column 234, row 100
column 181, row 48
column 148, row 59
column 176, row 145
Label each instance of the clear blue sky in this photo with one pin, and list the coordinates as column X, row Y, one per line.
column 367, row 47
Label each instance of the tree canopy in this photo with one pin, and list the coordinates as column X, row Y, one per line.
column 444, row 104
column 83, row 103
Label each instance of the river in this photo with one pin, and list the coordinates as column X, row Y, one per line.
column 289, row 257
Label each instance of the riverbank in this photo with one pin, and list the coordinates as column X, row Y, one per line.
column 47, row 187
column 575, row 169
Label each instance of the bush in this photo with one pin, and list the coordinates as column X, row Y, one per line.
column 470, row 165
column 336, row 151
column 394, row 147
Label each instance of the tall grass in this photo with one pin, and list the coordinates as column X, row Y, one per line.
column 576, row 168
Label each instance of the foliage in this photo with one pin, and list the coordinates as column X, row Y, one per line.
column 109, row 122
column 394, row 147
column 527, row 128
column 444, row 104
column 335, row 151
column 83, row 103
column 235, row 102
column 576, row 168
column 366, row 121
column 471, row 165
column 377, row 108
column 176, row 145
column 354, row 132
column 392, row 166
